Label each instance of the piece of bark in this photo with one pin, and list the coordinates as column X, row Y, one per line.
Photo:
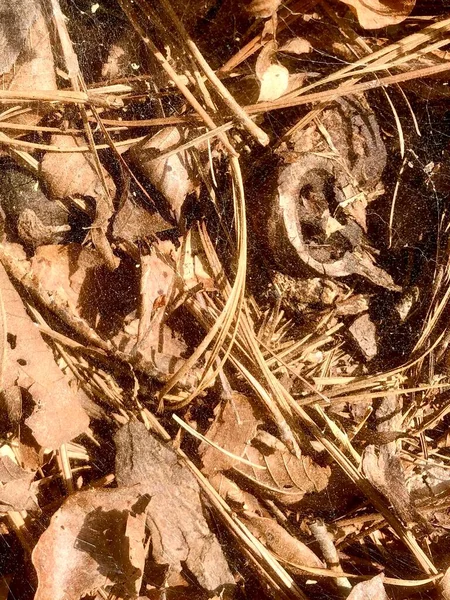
column 96, row 539
column 180, row 534
column 17, row 491
column 364, row 333
column 58, row 415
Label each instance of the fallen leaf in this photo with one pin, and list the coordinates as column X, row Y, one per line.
column 173, row 176
column 280, row 475
column 374, row 14
column 444, row 586
column 286, row 548
column 17, row 491
column 95, row 539
column 179, row 532
column 369, row 590
column 272, row 76
column 58, row 415
column 133, row 222
column 77, row 176
column 364, row 333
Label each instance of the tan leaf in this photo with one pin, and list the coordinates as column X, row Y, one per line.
column 75, row 175
column 374, row 14
column 58, row 415
column 17, row 489
column 273, row 77
column 172, row 176
column 72, row 173
column 280, row 474
column 369, row 590
column 95, row 539
column 286, row 547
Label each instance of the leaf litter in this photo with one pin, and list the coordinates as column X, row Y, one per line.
column 224, row 299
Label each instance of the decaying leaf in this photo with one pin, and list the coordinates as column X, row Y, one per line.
column 280, row 474
column 58, row 415
column 173, row 177
column 95, row 539
column 17, row 491
column 363, row 332
column 369, row 590
column 179, row 532
column 374, row 14
column 263, row 8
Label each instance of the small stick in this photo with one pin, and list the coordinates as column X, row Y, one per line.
column 326, row 543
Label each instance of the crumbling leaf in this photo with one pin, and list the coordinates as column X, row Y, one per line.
column 369, row 590
column 95, row 539
column 58, row 415
column 173, row 177
column 374, row 14
column 280, row 475
column 179, row 531
column 16, row 487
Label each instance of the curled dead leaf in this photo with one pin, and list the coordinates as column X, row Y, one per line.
column 374, row 14
column 173, row 176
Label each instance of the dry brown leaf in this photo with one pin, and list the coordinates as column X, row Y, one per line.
column 369, row 590
column 133, row 222
column 173, row 177
column 17, row 491
column 282, row 476
column 58, row 415
column 276, row 539
column 273, row 77
column 96, row 539
column 76, row 273
column 76, row 176
column 374, row 14
column 444, row 586
column 179, row 531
